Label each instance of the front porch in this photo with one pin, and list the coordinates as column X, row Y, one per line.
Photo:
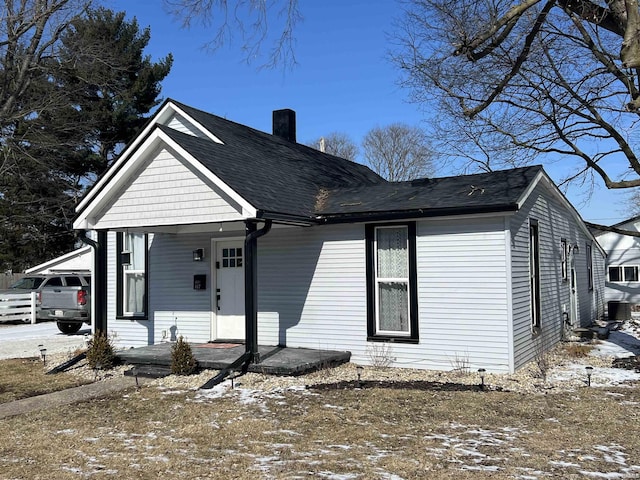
column 219, row 356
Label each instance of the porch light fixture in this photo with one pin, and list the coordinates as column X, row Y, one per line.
column 589, row 373
column 125, row 257
column 198, row 255
column 359, row 370
column 482, row 372
column 575, row 249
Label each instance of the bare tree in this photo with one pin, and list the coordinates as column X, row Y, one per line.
column 249, row 21
column 516, row 79
column 29, row 31
column 398, row 152
column 338, row 144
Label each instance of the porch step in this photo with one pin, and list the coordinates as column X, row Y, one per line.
column 601, row 333
column 149, row 371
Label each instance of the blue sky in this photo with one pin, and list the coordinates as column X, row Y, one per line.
column 342, row 82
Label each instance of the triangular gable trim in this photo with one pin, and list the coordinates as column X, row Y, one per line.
column 162, row 115
column 553, row 188
column 60, row 259
column 123, row 172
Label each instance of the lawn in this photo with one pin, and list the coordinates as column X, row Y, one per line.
column 382, row 431
column 26, row 377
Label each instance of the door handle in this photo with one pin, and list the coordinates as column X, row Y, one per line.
column 217, row 298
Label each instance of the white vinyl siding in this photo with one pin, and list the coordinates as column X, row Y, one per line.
column 555, row 222
column 175, row 308
column 462, row 285
column 167, row 192
column 312, row 288
column 312, row 293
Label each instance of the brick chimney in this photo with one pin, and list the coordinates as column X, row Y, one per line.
column 284, row 124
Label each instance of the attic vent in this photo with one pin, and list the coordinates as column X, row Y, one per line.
column 284, row 124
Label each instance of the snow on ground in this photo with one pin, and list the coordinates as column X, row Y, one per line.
column 621, row 343
column 23, row 340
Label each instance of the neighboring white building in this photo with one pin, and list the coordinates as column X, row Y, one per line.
column 79, row 260
column 482, row 269
column 623, row 263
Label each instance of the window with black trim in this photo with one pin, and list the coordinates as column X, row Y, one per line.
column 392, row 304
column 589, row 267
column 624, row 273
column 131, row 284
column 534, row 273
column 564, row 255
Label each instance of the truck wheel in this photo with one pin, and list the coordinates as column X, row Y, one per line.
column 69, row 327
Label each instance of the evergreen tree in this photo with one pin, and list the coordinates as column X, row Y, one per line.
column 85, row 102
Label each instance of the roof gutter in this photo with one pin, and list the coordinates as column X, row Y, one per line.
column 415, row 213
column 286, row 218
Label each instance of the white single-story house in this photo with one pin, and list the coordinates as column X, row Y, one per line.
column 623, row 263
column 215, row 231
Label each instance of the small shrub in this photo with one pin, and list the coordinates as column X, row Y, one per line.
column 100, row 353
column 578, row 350
column 182, row 359
column 541, row 358
column 380, row 355
column 460, row 363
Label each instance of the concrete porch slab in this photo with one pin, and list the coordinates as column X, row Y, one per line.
column 217, row 356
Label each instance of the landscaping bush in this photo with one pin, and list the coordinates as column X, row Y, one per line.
column 100, row 353
column 182, row 359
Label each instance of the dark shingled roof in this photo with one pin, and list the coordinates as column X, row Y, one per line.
column 494, row 191
column 273, row 174
column 281, row 177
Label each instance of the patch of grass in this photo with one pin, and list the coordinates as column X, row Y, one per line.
column 377, row 432
column 25, row 377
column 578, row 350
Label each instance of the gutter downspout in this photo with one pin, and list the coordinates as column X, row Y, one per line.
column 251, row 354
column 251, row 286
column 99, row 280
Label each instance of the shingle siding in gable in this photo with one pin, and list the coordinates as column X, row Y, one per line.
column 181, row 124
column 166, row 192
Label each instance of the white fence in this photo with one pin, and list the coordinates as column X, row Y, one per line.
column 18, row 306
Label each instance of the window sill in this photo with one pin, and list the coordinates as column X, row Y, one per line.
column 387, row 339
column 132, row 317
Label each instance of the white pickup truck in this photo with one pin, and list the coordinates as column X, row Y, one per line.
column 67, row 300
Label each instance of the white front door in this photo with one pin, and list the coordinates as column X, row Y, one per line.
column 230, row 290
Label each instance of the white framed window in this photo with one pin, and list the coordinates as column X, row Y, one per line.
column 624, row 273
column 564, row 258
column 392, row 283
column 590, row 267
column 132, row 279
column 392, row 280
